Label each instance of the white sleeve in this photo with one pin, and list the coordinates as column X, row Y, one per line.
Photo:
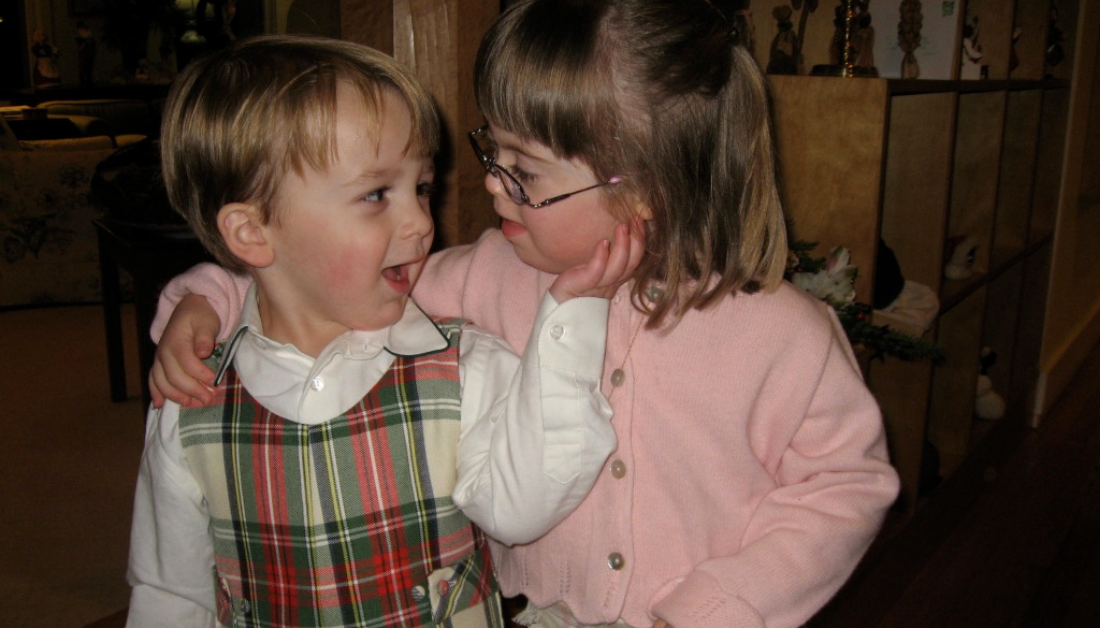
column 535, row 431
column 171, row 551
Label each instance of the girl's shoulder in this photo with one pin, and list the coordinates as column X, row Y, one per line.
column 784, row 316
column 787, row 303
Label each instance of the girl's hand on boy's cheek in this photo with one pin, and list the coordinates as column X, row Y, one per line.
column 178, row 372
column 611, row 264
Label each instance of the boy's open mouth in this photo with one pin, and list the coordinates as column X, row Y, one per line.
column 398, row 276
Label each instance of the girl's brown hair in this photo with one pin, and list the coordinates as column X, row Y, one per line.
column 659, row 93
column 237, row 120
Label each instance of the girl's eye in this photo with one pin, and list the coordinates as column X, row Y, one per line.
column 521, row 175
column 425, row 188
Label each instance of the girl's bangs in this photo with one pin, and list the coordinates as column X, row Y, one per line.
column 542, row 88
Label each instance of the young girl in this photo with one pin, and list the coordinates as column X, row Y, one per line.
column 751, row 472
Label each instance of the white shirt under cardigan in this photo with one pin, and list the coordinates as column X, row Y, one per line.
column 534, row 433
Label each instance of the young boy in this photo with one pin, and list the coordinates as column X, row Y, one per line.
column 351, row 440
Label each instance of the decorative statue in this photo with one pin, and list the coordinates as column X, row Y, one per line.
column 909, row 27
column 46, row 72
column 783, row 58
column 863, row 43
column 85, row 53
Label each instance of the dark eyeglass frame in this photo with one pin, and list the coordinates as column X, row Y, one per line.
column 511, row 185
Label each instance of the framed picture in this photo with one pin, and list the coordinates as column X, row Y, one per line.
column 85, row 7
column 934, row 38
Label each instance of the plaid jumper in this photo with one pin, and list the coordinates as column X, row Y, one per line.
column 345, row 523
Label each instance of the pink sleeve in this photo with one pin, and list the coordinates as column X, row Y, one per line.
column 484, row 283
column 224, row 290
column 442, row 284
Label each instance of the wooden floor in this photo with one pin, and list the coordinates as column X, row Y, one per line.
column 1012, row 539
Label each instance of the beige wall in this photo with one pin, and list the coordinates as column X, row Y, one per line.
column 439, row 40
column 1073, row 304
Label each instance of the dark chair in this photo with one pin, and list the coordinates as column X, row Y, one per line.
column 141, row 235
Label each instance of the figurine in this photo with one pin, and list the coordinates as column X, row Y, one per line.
column 783, row 58
column 46, row 71
column 972, row 52
column 141, row 73
column 988, row 404
column 962, row 252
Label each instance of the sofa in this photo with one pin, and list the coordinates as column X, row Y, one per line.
column 50, row 253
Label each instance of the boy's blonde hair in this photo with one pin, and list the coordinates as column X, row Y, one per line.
column 660, row 93
column 238, row 119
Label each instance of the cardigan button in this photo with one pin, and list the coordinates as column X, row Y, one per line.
column 556, row 332
column 618, row 469
column 419, row 593
column 617, row 377
column 616, row 561
column 317, row 383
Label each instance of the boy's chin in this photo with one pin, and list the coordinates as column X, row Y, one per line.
column 384, row 317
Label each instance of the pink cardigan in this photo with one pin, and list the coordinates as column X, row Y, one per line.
column 751, row 473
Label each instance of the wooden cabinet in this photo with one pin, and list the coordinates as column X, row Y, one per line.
column 927, row 166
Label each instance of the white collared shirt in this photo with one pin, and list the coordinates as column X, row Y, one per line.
column 534, row 434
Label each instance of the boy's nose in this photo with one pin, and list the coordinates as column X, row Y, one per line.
column 417, row 222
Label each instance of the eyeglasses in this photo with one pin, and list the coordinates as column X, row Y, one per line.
column 511, row 185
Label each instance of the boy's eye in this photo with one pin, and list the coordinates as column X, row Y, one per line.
column 425, row 189
column 375, row 196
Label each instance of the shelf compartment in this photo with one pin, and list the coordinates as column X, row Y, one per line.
column 832, row 196
column 916, row 191
column 901, row 389
column 1015, row 190
column 951, row 404
column 995, row 20
column 1031, row 18
column 1002, row 320
column 977, row 158
column 1022, row 390
column 1048, row 163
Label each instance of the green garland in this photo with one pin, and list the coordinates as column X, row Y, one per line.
column 855, row 317
column 881, row 340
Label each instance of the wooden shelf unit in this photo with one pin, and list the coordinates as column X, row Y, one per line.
column 923, row 164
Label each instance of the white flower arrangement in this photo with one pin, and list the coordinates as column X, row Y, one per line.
column 833, row 280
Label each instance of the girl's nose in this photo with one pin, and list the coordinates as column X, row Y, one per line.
column 494, row 185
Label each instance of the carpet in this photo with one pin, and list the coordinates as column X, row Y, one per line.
column 68, row 470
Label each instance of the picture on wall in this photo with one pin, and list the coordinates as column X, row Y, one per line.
column 85, row 7
column 917, row 39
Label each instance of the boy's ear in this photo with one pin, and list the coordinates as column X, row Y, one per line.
column 242, row 228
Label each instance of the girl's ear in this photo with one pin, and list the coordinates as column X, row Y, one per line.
column 242, row 228
column 641, row 209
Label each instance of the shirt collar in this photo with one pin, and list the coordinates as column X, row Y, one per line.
column 414, row 334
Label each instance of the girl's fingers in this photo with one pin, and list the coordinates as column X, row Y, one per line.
column 619, row 256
